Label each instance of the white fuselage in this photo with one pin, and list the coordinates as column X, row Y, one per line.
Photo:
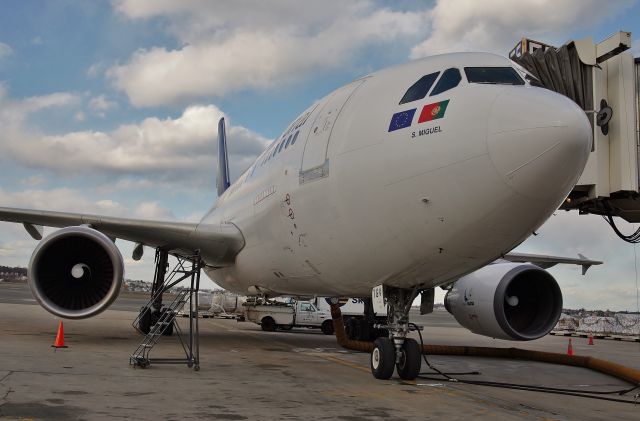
column 354, row 203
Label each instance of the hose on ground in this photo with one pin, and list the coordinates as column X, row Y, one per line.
column 619, row 371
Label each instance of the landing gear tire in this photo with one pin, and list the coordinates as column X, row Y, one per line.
column 350, row 328
column 383, row 358
column 144, row 322
column 365, row 331
column 268, row 324
column 327, row 327
column 410, row 360
column 169, row 330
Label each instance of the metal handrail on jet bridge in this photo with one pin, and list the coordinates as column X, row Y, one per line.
column 619, row 371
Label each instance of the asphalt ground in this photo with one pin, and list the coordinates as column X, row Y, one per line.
column 249, row 374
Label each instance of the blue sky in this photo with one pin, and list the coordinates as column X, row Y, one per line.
column 111, row 106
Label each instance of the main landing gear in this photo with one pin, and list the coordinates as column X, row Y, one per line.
column 397, row 351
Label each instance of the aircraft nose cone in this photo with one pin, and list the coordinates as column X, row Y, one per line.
column 539, row 141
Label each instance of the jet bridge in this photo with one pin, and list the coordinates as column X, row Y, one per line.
column 604, row 79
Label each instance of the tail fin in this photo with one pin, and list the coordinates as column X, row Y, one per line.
column 223, row 161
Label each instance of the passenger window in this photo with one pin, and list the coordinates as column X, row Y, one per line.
column 419, row 89
column 295, row 137
column 288, row 141
column 493, row 75
column 281, row 145
column 449, row 80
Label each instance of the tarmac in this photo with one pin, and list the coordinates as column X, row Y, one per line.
column 248, row 374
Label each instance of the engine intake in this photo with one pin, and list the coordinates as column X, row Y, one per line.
column 76, row 272
column 509, row 301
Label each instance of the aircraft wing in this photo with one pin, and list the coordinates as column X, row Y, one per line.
column 546, row 262
column 219, row 244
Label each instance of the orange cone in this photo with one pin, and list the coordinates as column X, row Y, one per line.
column 59, row 342
column 570, row 348
column 590, row 340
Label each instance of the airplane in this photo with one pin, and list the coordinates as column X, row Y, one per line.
column 421, row 175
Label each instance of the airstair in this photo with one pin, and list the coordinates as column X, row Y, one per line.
column 157, row 320
column 604, row 79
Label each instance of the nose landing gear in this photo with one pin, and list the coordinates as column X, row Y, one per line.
column 397, row 351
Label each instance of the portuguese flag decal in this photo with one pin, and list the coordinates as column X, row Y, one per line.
column 433, row 111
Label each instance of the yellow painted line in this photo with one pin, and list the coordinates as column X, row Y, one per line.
column 344, row 362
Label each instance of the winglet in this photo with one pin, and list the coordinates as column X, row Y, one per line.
column 223, row 162
column 586, row 266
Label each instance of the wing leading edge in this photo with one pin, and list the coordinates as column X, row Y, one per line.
column 218, row 244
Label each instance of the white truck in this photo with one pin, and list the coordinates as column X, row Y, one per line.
column 277, row 315
column 316, row 313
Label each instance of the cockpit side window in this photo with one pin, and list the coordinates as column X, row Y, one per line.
column 419, row 89
column 493, row 75
column 449, row 80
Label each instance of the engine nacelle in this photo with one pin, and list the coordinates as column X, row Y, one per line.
column 76, row 272
column 510, row 301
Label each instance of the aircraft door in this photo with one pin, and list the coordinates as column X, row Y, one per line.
column 315, row 150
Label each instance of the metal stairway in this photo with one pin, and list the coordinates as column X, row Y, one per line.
column 160, row 320
column 140, row 356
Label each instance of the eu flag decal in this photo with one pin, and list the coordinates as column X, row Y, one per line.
column 401, row 120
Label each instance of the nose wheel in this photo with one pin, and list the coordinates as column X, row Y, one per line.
column 409, row 360
column 397, row 352
column 383, row 358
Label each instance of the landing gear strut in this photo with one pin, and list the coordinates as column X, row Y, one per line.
column 151, row 313
column 397, row 350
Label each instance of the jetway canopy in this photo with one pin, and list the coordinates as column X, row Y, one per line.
column 604, row 80
column 558, row 69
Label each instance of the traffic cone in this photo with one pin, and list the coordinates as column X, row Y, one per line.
column 590, row 340
column 570, row 348
column 59, row 342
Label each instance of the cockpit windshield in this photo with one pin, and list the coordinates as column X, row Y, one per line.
column 493, row 75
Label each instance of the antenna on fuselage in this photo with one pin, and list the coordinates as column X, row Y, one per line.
column 223, row 159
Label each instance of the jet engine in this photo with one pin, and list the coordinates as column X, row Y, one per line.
column 512, row 301
column 76, row 272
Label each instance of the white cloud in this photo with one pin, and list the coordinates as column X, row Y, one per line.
column 100, row 105
column 95, row 69
column 162, row 149
column 60, row 199
column 79, row 116
column 496, row 25
column 226, row 49
column 15, row 112
column 153, row 210
column 33, row 181
column 5, row 51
